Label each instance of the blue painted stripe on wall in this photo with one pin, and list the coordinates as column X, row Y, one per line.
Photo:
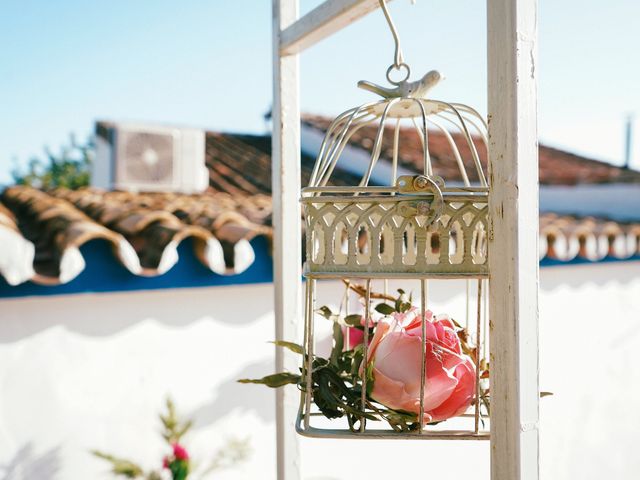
column 551, row 262
column 104, row 273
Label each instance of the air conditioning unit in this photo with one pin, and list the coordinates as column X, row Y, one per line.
column 139, row 157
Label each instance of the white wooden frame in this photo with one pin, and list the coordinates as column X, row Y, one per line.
column 513, row 205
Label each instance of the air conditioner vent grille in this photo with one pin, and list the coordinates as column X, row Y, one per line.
column 148, row 157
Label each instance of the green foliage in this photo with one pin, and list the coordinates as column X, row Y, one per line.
column 178, row 463
column 338, row 343
column 385, row 309
column 401, row 303
column 354, row 320
column 120, row 466
column 336, row 382
column 294, row 347
column 70, row 168
column 179, row 469
column 275, row 380
column 174, row 429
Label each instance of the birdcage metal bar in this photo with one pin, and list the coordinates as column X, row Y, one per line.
column 309, row 346
column 477, row 357
column 365, row 353
column 423, row 346
column 377, row 146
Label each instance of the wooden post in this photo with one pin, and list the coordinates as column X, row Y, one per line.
column 285, row 154
column 513, row 238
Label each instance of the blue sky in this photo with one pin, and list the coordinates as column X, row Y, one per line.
column 207, row 63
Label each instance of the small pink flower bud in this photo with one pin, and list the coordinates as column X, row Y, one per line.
column 180, row 452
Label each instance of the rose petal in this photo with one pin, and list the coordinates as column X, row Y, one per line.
column 396, row 351
column 393, row 394
column 462, row 397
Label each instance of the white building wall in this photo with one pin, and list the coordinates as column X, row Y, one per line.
column 91, row 371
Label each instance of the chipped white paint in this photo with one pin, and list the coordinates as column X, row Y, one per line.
column 287, row 272
column 513, row 206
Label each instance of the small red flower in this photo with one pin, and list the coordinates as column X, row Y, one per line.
column 180, row 452
column 165, row 462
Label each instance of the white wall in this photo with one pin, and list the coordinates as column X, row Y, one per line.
column 90, row 371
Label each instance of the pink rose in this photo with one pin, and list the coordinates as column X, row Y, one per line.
column 165, row 462
column 396, row 354
column 355, row 336
column 180, row 452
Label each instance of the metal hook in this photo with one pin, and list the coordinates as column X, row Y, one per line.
column 398, row 59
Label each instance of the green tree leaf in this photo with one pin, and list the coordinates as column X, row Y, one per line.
column 69, row 169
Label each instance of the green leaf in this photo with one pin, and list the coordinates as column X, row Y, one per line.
column 402, row 421
column 359, row 413
column 404, row 306
column 358, row 355
column 120, row 466
column 338, row 344
column 370, row 378
column 275, row 380
column 354, row 320
column 325, row 312
column 385, row 309
column 179, row 469
column 294, row 347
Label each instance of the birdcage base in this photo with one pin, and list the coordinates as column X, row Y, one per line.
column 388, row 434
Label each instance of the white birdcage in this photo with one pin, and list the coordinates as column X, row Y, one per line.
column 417, row 228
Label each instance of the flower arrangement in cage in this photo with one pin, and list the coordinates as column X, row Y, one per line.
column 415, row 229
column 378, row 364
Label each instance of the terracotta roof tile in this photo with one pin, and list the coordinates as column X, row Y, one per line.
column 145, row 229
column 241, row 164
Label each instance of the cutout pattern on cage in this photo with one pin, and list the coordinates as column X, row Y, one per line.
column 389, row 237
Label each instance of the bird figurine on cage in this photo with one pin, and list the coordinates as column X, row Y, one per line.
column 405, row 89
